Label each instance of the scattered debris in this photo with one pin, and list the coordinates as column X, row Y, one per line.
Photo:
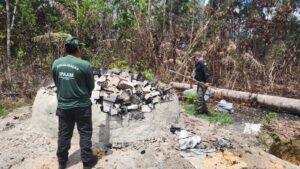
column 222, row 143
column 251, row 128
column 224, row 106
column 8, row 126
column 140, row 145
column 174, row 129
column 187, row 140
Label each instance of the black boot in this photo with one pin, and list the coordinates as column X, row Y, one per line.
column 62, row 165
column 91, row 164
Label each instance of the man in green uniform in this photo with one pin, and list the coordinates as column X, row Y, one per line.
column 74, row 80
column 201, row 74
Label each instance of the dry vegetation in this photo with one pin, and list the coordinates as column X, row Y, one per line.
column 246, row 51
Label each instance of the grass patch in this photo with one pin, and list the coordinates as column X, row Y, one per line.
column 189, row 108
column 7, row 105
column 190, row 98
column 222, row 118
column 270, row 117
column 149, row 74
column 214, row 117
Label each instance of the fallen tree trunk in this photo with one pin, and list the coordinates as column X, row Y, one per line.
column 279, row 103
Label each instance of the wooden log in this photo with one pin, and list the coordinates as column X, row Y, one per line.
column 279, row 103
column 182, row 86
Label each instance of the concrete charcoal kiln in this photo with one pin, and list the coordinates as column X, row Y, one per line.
column 126, row 108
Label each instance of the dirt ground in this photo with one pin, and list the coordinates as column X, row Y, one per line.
column 22, row 147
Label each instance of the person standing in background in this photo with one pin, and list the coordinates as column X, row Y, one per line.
column 201, row 74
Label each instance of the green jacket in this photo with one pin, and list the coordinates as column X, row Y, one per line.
column 74, row 80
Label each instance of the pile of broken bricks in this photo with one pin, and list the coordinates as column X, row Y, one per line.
column 121, row 92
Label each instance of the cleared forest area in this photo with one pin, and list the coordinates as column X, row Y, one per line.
column 251, row 45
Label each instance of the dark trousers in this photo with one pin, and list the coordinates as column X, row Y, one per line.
column 67, row 119
column 200, row 102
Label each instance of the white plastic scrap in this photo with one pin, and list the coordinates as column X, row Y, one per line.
column 224, row 106
column 251, row 128
column 187, row 140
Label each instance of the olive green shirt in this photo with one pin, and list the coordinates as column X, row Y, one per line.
column 74, row 80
